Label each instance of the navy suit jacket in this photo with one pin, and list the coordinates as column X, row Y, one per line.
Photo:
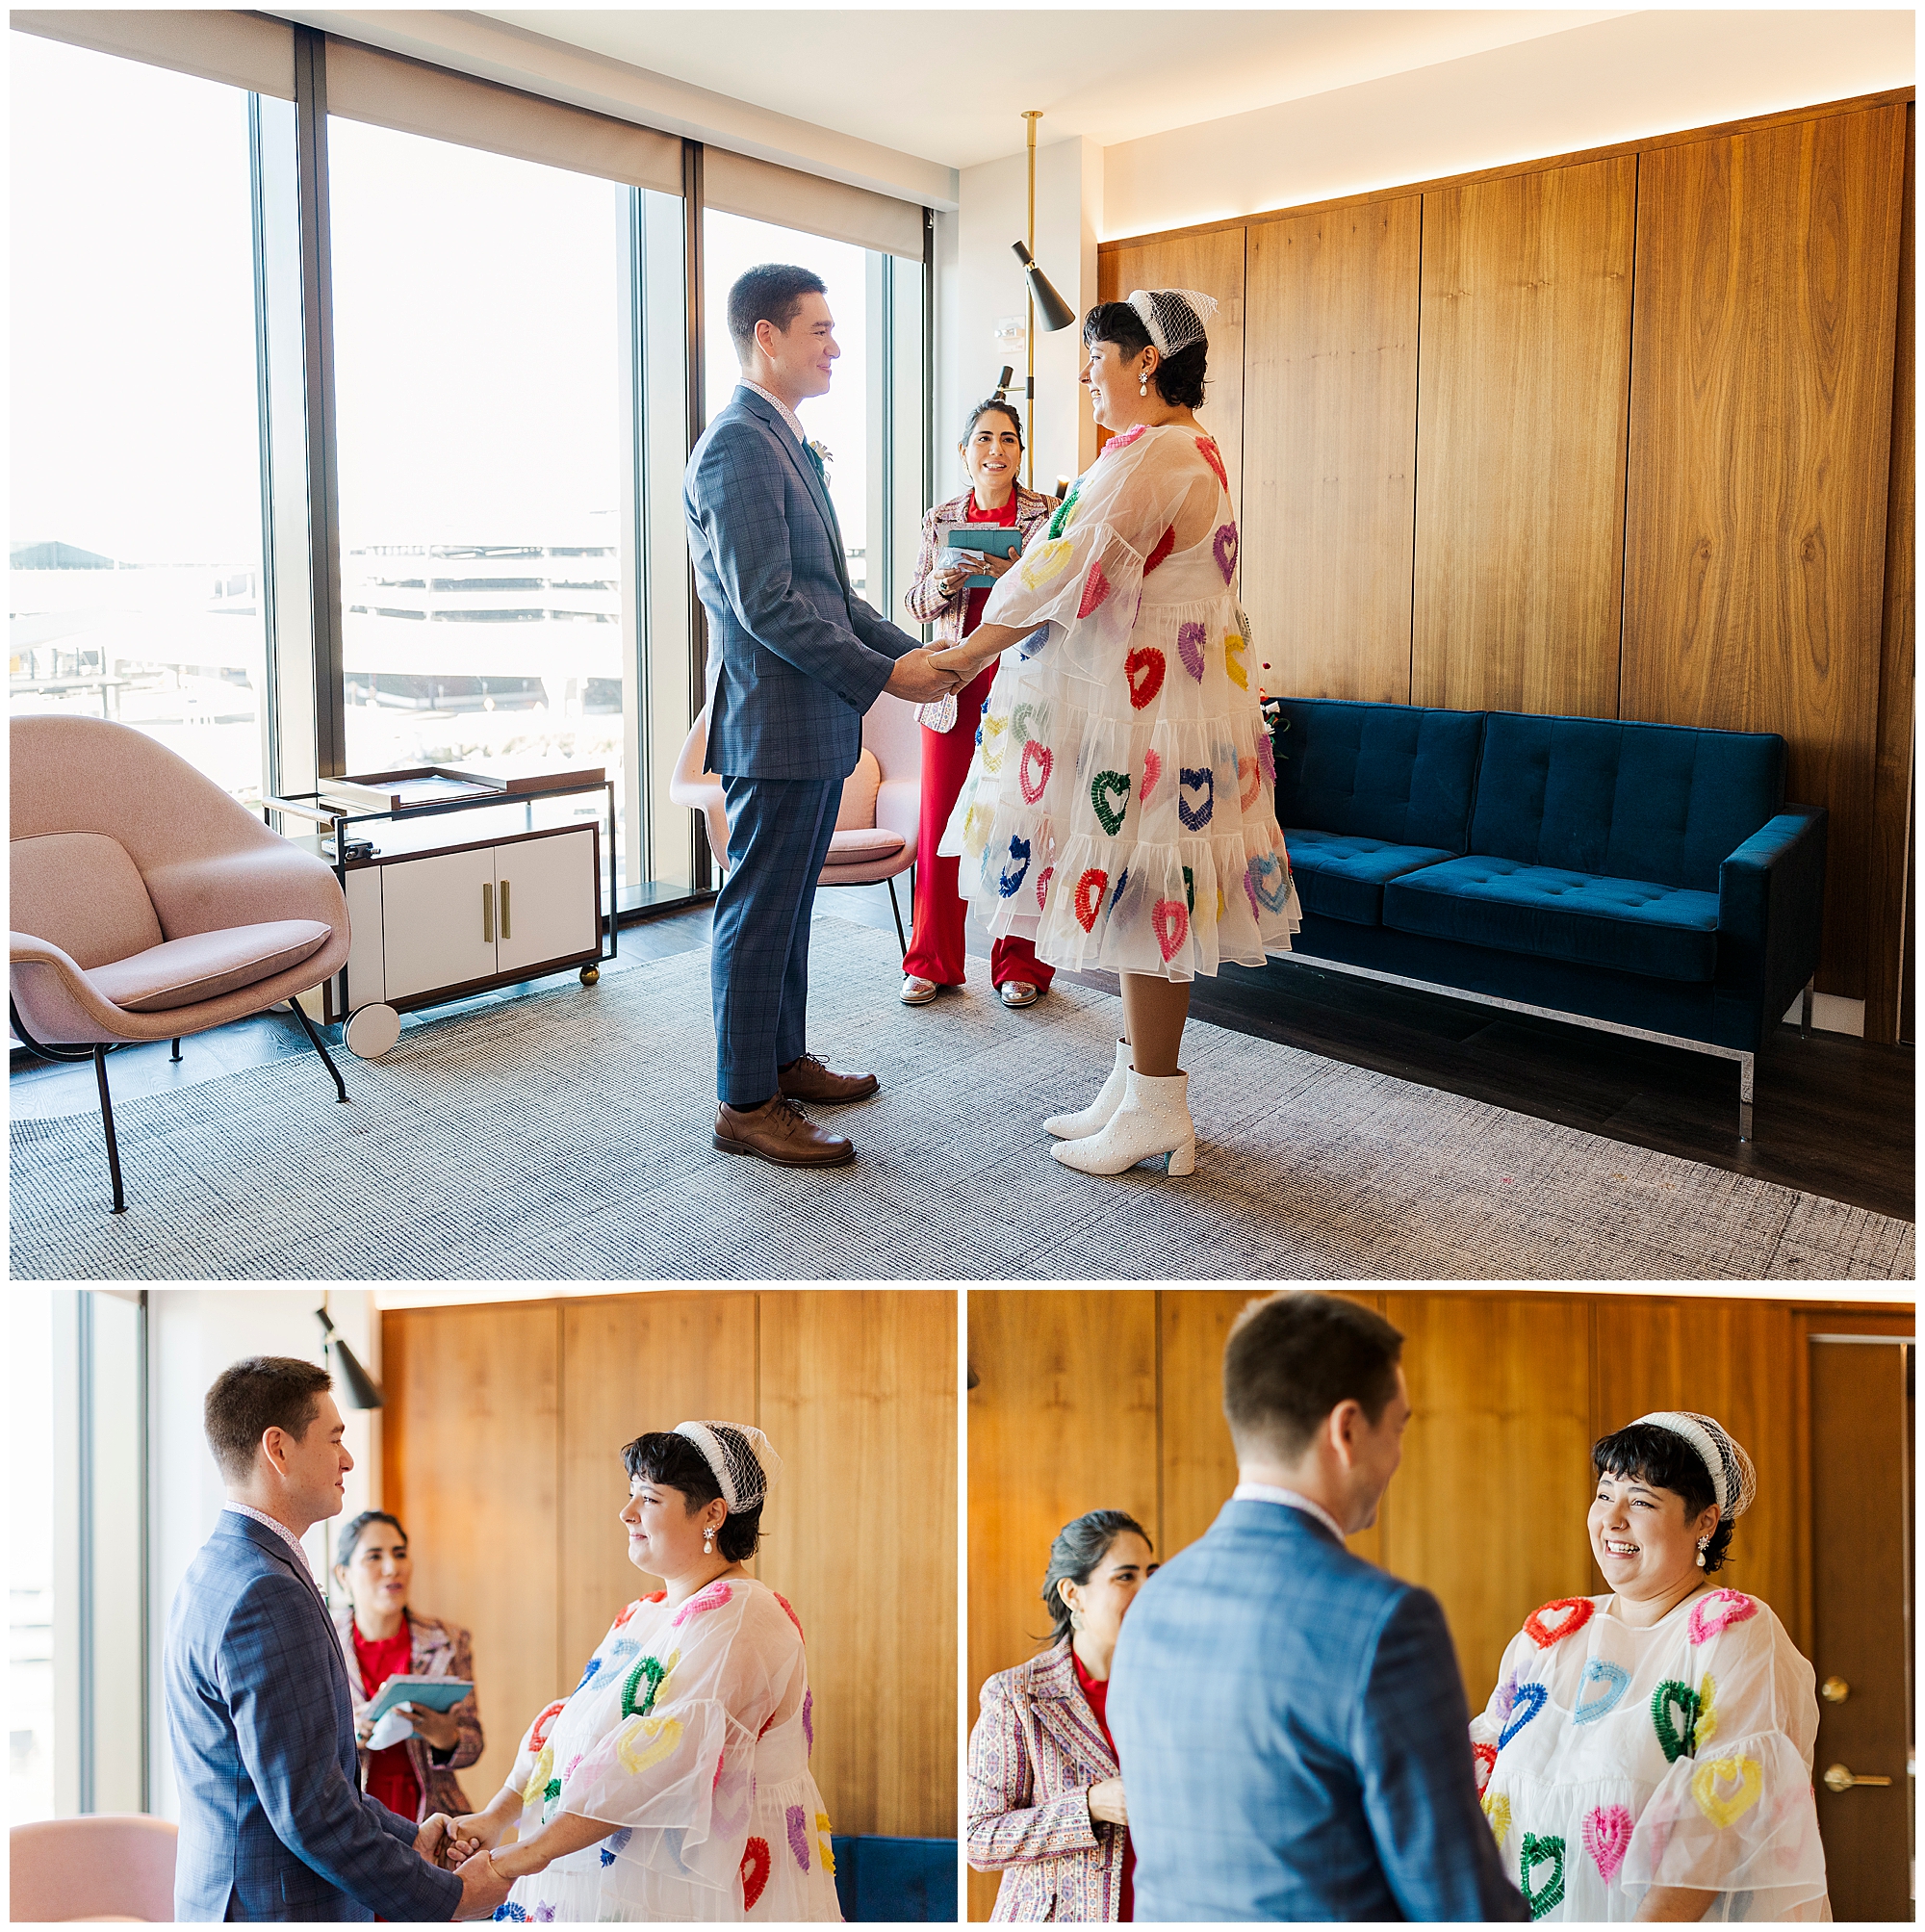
column 1294, row 1739
column 795, row 657
column 273, row 1823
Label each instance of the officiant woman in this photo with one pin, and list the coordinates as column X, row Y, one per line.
column 383, row 1637
column 992, row 449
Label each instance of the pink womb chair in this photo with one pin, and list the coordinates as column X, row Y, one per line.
column 148, row 904
column 111, row 1865
column 882, row 803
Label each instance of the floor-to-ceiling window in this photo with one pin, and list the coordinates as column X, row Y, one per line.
column 135, row 540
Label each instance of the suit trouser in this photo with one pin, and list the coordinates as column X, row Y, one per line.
column 779, row 834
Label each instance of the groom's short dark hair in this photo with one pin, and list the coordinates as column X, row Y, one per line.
column 1293, row 1359
column 255, row 1395
column 772, row 294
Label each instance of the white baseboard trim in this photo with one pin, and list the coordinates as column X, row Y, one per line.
column 1830, row 1015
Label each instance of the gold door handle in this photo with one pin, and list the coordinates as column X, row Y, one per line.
column 488, row 913
column 1834, row 1691
column 1839, row 1779
column 505, row 932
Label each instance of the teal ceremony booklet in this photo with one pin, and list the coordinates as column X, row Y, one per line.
column 996, row 539
column 428, row 1694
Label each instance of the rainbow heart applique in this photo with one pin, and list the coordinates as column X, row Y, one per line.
column 1214, row 459
column 1096, row 589
column 1268, row 881
column 1535, row 1851
column 655, row 1673
column 1725, row 1809
column 545, row 1723
column 1164, row 544
column 755, row 1870
column 1029, row 721
column 1497, row 1809
column 1675, row 1741
column 594, row 1665
column 788, row 1611
column 809, row 1696
column 1033, row 772
column 1550, row 1623
column 797, row 1821
column 1171, row 923
column 647, row 1741
column 734, row 1793
column 1530, row 1699
column 1060, row 522
column 1191, row 639
column 1144, row 667
column 531, row 1792
column 1267, row 760
column 1595, row 1703
column 1123, row 440
column 1234, row 647
column 1606, row 1838
column 993, row 746
column 1152, row 772
column 1248, row 783
column 1042, row 886
column 1010, row 882
column 1223, row 547
column 1089, row 900
column 1485, row 1757
column 1110, row 812
column 616, row 1842
column 1714, row 1614
column 1047, row 561
column 1705, row 1728
column 701, row 1603
column 1201, row 778
column 822, row 1843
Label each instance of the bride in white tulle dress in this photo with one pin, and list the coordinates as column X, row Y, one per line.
column 1120, row 807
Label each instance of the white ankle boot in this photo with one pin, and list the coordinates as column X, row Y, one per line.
column 1154, row 1118
column 1095, row 1117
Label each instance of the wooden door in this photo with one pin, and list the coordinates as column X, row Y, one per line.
column 1526, row 371
column 1862, row 1518
column 438, row 927
column 546, row 900
column 1330, row 425
column 1760, row 426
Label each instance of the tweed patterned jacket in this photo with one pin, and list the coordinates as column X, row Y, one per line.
column 438, row 1650
column 1034, row 1752
column 261, row 1721
column 795, row 657
column 924, row 599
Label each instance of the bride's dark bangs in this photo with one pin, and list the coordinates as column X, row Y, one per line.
column 663, row 1456
column 1644, row 1453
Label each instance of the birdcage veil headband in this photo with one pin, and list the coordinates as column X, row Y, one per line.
column 1173, row 318
column 739, row 1455
column 1734, row 1479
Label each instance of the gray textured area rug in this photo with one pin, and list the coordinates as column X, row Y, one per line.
column 564, row 1136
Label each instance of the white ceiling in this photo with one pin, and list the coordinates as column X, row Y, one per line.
column 948, row 83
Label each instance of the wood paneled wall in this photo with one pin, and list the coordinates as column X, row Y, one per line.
column 503, row 1429
column 1621, row 434
column 1114, row 1400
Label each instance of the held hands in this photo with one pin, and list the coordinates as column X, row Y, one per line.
column 477, row 1831
column 437, row 1841
column 919, row 680
column 482, row 1888
column 1106, row 1802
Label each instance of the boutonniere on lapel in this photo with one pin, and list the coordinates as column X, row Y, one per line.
column 822, row 452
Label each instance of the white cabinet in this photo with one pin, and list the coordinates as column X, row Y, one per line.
column 438, row 923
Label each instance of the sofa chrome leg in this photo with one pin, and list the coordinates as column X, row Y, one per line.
column 315, row 1040
column 902, row 942
column 1745, row 1071
column 1805, row 1008
column 107, row 1124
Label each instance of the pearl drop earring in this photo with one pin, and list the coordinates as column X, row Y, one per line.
column 1704, row 1543
column 708, row 1540
column 1143, row 382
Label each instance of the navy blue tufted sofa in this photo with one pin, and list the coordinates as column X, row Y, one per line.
column 1648, row 879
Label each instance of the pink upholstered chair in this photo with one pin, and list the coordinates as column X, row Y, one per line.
column 107, row 1866
column 148, row 904
column 876, row 826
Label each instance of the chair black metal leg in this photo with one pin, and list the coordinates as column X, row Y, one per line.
column 176, row 1053
column 897, row 911
column 315, row 1040
column 107, row 1122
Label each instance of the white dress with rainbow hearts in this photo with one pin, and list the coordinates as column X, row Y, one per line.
column 1613, row 1760
column 690, row 1732
column 1120, row 807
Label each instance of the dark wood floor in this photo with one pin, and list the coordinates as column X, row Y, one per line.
column 1833, row 1116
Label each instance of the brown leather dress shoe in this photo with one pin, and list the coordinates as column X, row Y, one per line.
column 809, row 1079
column 781, row 1132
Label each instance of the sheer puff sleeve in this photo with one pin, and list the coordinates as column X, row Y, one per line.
column 1735, row 1814
column 670, row 1761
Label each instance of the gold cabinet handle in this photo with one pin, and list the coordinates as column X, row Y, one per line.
column 488, row 912
column 1839, row 1779
column 505, row 932
column 1834, row 1691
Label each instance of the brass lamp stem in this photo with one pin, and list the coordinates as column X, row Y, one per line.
column 1031, row 115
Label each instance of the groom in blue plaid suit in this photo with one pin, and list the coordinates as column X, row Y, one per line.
column 273, row 1823
column 795, row 659
column 1289, row 1718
